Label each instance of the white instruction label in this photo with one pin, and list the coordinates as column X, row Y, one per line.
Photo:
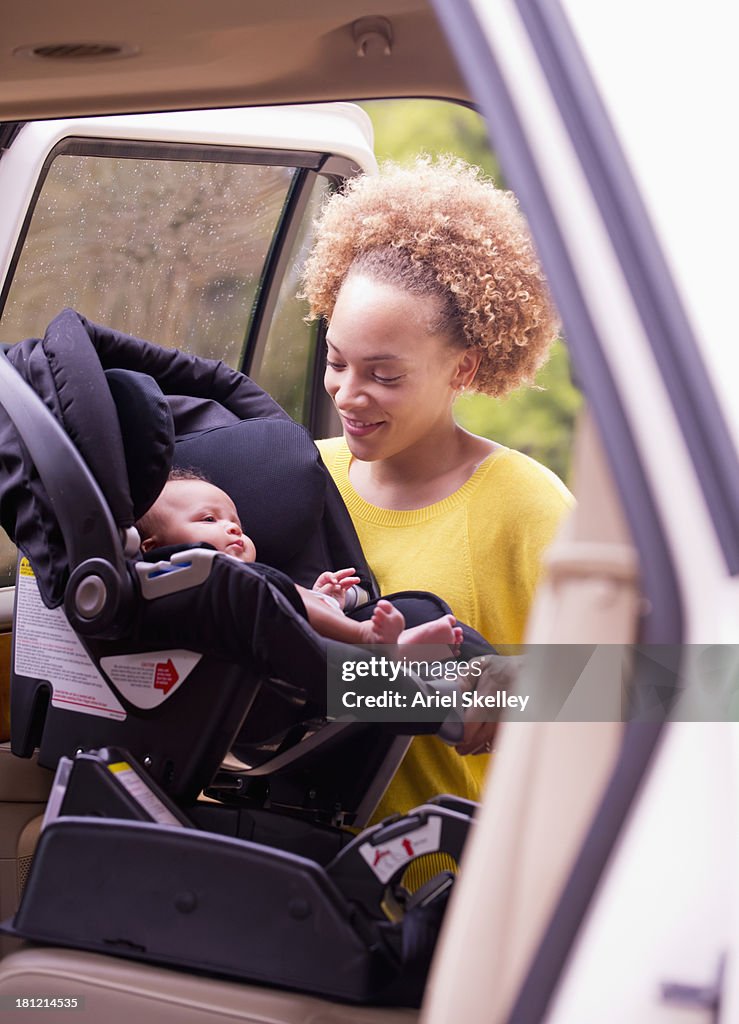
column 46, row 647
column 148, row 679
column 386, row 858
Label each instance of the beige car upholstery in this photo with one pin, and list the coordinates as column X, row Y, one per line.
column 119, row 991
column 24, row 788
column 547, row 777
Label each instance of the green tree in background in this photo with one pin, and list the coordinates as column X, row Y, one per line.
column 405, row 128
column 538, row 421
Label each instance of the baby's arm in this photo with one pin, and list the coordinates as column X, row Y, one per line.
column 384, row 627
column 336, row 584
column 387, row 625
column 328, row 620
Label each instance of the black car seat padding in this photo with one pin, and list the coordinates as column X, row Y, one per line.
column 272, row 471
column 146, row 425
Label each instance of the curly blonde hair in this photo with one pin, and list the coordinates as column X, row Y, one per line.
column 440, row 228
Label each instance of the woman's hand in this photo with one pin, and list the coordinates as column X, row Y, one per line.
column 481, row 724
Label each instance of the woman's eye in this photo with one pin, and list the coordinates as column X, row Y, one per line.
column 375, row 376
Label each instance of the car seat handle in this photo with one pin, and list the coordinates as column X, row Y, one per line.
column 86, row 523
column 82, row 512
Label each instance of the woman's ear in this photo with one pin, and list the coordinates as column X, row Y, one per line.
column 148, row 543
column 467, row 366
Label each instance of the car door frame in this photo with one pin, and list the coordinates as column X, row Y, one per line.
column 624, row 322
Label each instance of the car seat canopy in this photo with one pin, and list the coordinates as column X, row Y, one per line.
column 128, row 405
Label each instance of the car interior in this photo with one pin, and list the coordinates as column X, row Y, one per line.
column 548, row 778
column 309, row 774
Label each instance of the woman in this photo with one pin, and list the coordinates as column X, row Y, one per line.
column 430, row 285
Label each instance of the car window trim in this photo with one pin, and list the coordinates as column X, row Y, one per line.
column 323, row 419
column 8, row 134
column 273, row 269
column 335, row 169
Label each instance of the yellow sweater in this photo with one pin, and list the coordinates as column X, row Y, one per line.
column 480, row 549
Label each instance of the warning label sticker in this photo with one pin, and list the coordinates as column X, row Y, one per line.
column 46, row 647
column 148, row 679
column 386, row 858
column 138, row 788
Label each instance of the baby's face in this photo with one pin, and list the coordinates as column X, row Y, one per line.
column 194, row 512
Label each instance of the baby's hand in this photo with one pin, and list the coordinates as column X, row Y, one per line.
column 336, row 584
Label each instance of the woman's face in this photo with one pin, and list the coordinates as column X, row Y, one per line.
column 392, row 381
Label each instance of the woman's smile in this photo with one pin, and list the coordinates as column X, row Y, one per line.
column 360, row 428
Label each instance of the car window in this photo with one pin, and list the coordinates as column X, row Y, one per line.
column 284, row 364
column 172, row 244
column 167, row 249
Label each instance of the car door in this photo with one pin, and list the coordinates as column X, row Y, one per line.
column 636, row 919
column 185, row 229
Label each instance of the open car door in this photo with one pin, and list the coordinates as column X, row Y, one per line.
column 186, row 229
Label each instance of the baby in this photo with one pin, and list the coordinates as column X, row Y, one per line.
column 190, row 510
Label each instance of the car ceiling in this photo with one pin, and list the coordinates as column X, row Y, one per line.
column 186, row 53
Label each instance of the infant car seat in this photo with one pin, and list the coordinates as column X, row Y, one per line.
column 138, row 689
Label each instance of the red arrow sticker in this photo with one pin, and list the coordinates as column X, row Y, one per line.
column 395, row 853
column 165, row 675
